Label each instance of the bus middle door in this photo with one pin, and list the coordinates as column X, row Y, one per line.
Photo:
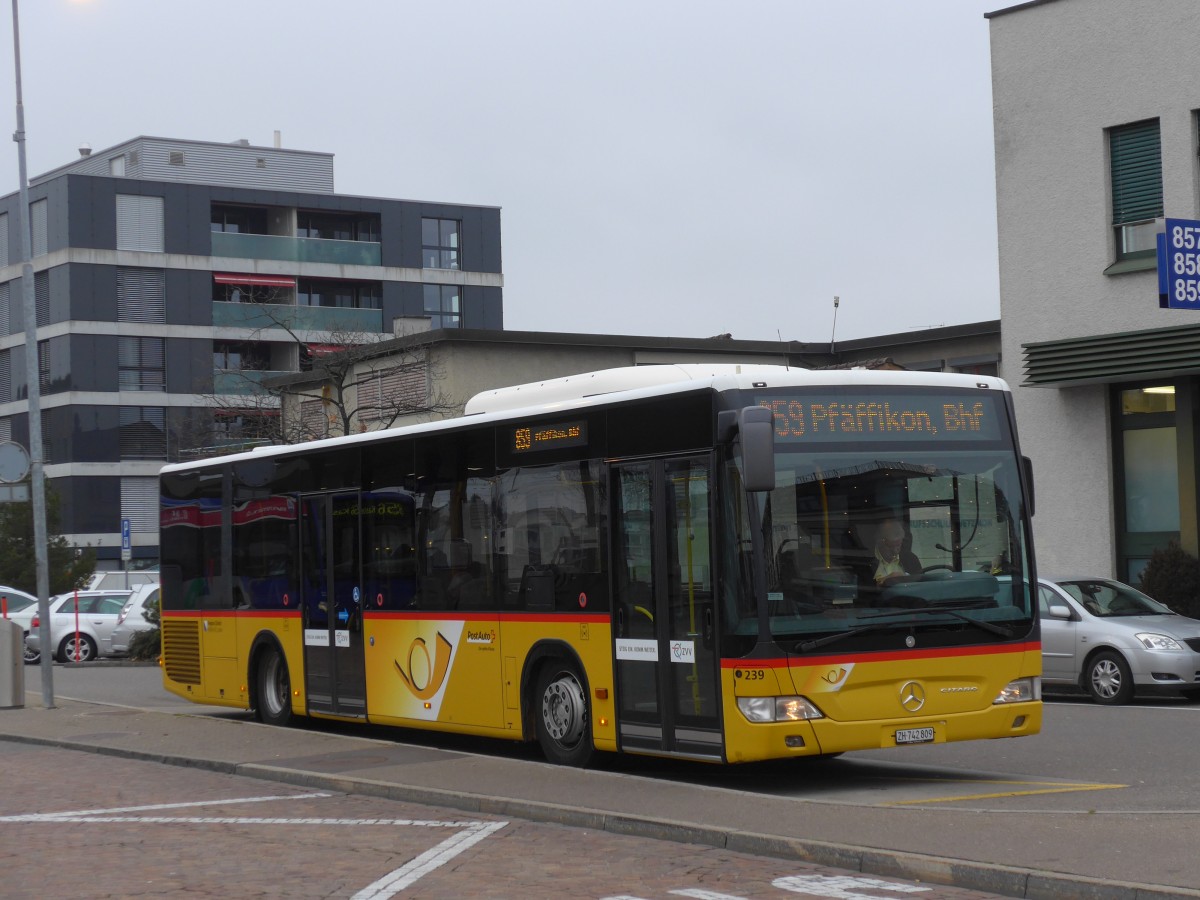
column 664, row 617
column 331, row 580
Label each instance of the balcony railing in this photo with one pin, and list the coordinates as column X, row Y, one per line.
column 334, row 320
column 293, row 249
column 241, row 381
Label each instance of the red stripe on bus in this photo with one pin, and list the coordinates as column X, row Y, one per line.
column 883, row 656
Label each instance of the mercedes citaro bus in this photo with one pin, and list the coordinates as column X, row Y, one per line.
column 676, row 560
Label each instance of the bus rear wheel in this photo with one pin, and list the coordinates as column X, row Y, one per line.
column 274, row 689
column 564, row 726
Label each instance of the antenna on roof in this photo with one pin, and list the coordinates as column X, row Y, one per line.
column 836, row 301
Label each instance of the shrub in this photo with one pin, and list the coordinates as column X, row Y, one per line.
column 1173, row 577
column 147, row 644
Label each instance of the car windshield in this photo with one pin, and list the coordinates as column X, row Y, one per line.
column 1109, row 599
column 16, row 603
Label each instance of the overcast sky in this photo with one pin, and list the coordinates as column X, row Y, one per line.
column 664, row 167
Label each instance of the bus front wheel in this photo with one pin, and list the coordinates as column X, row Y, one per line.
column 564, row 726
column 274, row 689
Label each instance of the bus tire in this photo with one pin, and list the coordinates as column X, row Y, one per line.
column 564, row 725
column 274, row 688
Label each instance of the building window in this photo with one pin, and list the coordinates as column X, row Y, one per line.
column 239, row 219
column 139, row 503
column 1137, row 191
column 140, row 223
column 141, row 295
column 43, row 352
column 389, row 394
column 344, row 294
column 235, row 356
column 333, row 227
column 314, row 423
column 141, row 364
column 39, row 234
column 439, row 243
column 443, row 305
column 143, row 432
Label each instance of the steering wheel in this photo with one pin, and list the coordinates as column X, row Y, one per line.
column 935, row 568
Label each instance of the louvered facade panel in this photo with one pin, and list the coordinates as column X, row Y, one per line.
column 39, row 234
column 141, row 295
column 4, row 261
column 139, row 503
column 6, row 294
column 139, row 223
column 5, row 376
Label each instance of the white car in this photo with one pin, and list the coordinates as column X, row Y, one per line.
column 21, row 608
column 132, row 619
column 1111, row 640
column 77, row 632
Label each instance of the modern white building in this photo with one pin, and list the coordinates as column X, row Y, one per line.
column 1096, row 137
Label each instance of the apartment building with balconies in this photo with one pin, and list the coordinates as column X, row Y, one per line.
column 173, row 277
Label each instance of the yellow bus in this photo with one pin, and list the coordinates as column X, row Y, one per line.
column 720, row 563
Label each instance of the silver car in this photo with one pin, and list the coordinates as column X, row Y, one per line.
column 132, row 620
column 77, row 636
column 1109, row 639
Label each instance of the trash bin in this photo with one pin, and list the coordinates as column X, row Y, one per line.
column 12, row 664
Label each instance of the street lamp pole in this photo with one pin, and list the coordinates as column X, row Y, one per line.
column 33, row 389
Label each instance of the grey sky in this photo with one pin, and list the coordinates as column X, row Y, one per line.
column 665, row 167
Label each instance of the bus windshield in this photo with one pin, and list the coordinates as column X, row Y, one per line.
column 867, row 532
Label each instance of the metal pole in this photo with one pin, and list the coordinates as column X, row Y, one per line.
column 33, row 388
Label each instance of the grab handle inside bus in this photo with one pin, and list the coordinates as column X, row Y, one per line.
column 1028, row 464
column 757, row 427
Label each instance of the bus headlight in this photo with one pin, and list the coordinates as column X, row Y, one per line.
column 778, row 709
column 1020, row 690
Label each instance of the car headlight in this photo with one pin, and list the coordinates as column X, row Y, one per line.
column 778, row 709
column 1021, row 690
column 1152, row 641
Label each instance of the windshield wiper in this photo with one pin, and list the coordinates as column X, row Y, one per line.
column 942, row 611
column 805, row 646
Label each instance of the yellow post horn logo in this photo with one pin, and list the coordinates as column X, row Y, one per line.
column 439, row 666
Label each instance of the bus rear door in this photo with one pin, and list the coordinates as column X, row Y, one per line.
column 664, row 626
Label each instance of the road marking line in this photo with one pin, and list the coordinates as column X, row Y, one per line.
column 1053, row 789
column 431, row 859
column 129, row 809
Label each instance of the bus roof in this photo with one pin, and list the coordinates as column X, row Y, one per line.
column 618, row 384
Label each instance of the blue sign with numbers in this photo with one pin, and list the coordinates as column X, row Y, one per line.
column 1179, row 264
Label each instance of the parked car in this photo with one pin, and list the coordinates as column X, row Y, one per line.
column 1111, row 640
column 132, row 620
column 98, row 613
column 116, row 580
column 22, row 607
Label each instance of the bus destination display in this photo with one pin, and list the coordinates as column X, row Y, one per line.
column 901, row 417
column 527, row 438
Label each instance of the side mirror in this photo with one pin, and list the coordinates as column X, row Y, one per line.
column 1058, row 611
column 757, row 428
column 1027, row 463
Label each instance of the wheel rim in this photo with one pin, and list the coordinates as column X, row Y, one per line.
column 85, row 650
column 564, row 711
column 1106, row 679
column 31, row 655
column 275, row 686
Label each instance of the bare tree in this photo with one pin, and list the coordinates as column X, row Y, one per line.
column 349, row 381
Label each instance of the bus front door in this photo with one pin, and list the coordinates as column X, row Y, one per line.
column 664, row 617
column 334, row 665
